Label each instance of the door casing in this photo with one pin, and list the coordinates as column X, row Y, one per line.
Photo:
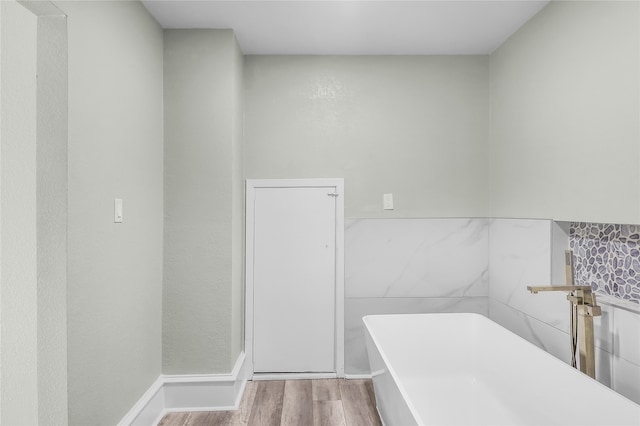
column 251, row 186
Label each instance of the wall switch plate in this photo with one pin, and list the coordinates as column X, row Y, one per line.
column 117, row 210
column 387, row 201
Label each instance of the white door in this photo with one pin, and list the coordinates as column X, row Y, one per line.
column 294, row 279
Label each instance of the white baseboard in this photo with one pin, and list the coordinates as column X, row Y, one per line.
column 191, row 407
column 193, row 392
column 148, row 407
column 292, row 376
column 357, row 376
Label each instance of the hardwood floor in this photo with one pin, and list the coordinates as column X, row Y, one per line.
column 327, row 402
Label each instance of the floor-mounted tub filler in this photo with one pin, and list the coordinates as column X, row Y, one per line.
column 464, row 369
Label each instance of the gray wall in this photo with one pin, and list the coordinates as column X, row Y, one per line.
column 115, row 151
column 33, row 203
column 202, row 310
column 237, row 204
column 416, row 127
column 19, row 308
column 51, row 219
column 565, row 115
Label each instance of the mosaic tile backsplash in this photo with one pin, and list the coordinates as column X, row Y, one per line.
column 607, row 257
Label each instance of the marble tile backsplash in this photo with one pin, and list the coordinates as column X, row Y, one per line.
column 400, row 266
column 519, row 256
column 416, row 258
column 607, row 257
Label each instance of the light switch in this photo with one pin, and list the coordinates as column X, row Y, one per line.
column 117, row 210
column 387, row 201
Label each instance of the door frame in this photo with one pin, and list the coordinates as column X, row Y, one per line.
column 251, row 186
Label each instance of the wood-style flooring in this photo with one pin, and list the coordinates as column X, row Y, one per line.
column 327, row 402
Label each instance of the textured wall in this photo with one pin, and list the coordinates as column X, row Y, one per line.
column 1, row 138
column 202, row 313
column 51, row 157
column 238, row 203
column 416, row 127
column 18, row 268
column 34, row 215
column 115, row 151
column 565, row 115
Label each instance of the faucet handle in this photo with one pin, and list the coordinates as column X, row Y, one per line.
column 589, row 310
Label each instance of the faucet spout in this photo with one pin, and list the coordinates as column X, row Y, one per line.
column 568, row 288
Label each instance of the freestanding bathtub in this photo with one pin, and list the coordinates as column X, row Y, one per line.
column 464, row 369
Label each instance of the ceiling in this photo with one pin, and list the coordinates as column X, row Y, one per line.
column 361, row 27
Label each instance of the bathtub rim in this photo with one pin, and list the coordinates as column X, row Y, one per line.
column 473, row 316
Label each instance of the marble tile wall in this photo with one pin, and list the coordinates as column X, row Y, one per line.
column 521, row 253
column 411, row 266
column 481, row 266
column 416, row 258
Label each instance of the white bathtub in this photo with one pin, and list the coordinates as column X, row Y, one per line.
column 464, row 369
